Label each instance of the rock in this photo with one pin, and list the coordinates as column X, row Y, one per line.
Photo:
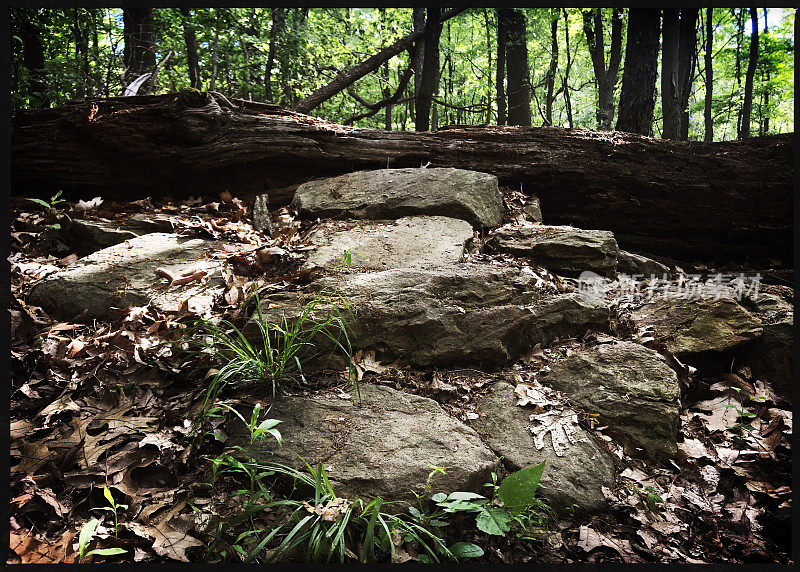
column 410, row 242
column 384, row 447
column 632, row 389
column 770, row 355
column 532, row 210
column 575, row 477
column 561, row 249
column 458, row 314
column 261, row 219
column 87, row 236
column 630, row 264
column 688, row 326
column 124, row 275
column 394, row 193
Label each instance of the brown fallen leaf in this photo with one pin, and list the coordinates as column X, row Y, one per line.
column 31, row 549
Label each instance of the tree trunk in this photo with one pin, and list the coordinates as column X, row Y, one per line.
column 637, row 99
column 192, row 61
column 550, row 80
column 139, row 55
column 670, row 90
column 33, row 60
column 709, row 122
column 501, row 70
column 606, row 77
column 747, row 106
column 341, row 81
column 766, row 87
column 417, row 55
column 686, row 62
column 278, row 22
column 519, row 80
column 681, row 199
column 429, row 80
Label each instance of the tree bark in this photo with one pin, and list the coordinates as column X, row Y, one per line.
column 33, row 60
column 606, row 77
column 139, row 55
column 429, row 80
column 670, row 90
column 550, row 80
column 714, row 201
column 707, row 111
column 501, row 70
column 747, row 105
column 765, row 123
column 278, row 22
column 519, row 79
column 190, row 39
column 686, row 63
column 637, row 99
column 341, row 81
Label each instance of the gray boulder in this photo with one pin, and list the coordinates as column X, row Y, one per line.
column 87, row 236
column 261, row 219
column 394, row 193
column 688, row 326
column 632, row 389
column 532, row 210
column 574, row 477
column 630, row 263
column 380, row 245
column 124, row 275
column 560, row 249
column 770, row 355
column 384, row 447
column 457, row 314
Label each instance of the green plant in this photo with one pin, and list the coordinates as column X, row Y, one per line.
column 85, row 536
column 114, row 508
column 53, row 212
column 652, row 498
column 347, row 257
column 277, row 357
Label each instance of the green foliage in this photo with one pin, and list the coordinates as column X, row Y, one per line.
column 82, row 49
column 53, row 213
column 113, row 508
column 518, row 489
column 85, row 537
column 277, row 358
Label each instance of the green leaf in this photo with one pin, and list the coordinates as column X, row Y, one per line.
column 107, row 551
column 45, row 204
column 466, row 550
column 517, row 489
column 108, row 495
column 439, row 497
column 494, row 520
column 464, row 496
column 86, row 534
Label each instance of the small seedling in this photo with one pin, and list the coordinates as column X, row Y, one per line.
column 652, row 498
column 114, row 508
column 51, row 208
column 87, row 532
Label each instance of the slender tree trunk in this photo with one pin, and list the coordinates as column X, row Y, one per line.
column 637, row 99
column 686, row 63
column 606, row 77
column 747, row 106
column 33, row 60
column 430, row 69
column 139, row 56
column 417, row 55
column 212, row 84
column 709, row 122
column 519, row 82
column 81, row 52
column 278, row 20
column 550, row 80
column 192, row 61
column 739, row 39
column 501, row 70
column 489, row 68
column 565, row 80
column 387, row 93
column 670, row 90
column 766, row 87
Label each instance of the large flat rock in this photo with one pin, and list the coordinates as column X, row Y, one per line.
column 410, row 242
column 575, row 476
column 632, row 389
column 689, row 326
column 124, row 275
column 636, row 264
column 394, row 193
column 384, row 447
column 458, row 314
column 88, row 236
column 560, row 249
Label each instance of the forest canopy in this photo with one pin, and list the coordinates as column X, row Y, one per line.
column 708, row 74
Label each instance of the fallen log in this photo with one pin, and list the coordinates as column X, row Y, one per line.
column 711, row 201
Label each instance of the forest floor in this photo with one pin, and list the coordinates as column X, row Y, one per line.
column 99, row 404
